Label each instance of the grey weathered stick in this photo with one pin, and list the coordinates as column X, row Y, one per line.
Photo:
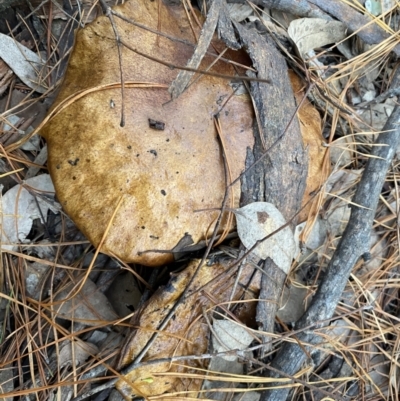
column 353, row 244
column 280, row 177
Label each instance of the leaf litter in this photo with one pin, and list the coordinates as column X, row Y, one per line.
column 367, row 339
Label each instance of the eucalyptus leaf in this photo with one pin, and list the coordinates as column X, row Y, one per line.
column 26, row 64
column 259, row 219
column 310, row 33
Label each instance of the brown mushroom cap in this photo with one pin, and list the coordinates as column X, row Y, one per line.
column 161, row 176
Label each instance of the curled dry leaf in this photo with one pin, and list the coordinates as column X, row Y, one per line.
column 310, row 33
column 162, row 176
column 185, row 334
column 259, row 219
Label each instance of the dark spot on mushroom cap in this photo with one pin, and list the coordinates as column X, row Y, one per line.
column 73, row 162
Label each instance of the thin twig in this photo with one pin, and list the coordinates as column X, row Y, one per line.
column 109, row 14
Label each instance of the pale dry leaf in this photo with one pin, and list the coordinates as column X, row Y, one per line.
column 26, row 64
column 378, row 373
column 310, row 33
column 228, row 336
column 339, row 187
column 124, row 294
column 79, row 351
column 317, row 236
column 377, row 114
column 35, row 274
column 369, row 96
column 20, row 207
column 373, row 6
column 342, row 180
column 330, row 339
column 239, row 12
column 89, row 306
column 213, row 387
column 255, row 222
column 33, row 143
column 387, row 5
column 378, row 246
column 337, row 218
column 248, row 396
column 292, row 305
column 40, row 160
column 340, row 152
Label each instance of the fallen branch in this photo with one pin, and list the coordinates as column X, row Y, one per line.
column 353, row 244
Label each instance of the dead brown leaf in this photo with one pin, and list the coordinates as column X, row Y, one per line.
column 311, row 131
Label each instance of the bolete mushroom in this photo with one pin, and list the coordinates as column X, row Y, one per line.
column 154, row 180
